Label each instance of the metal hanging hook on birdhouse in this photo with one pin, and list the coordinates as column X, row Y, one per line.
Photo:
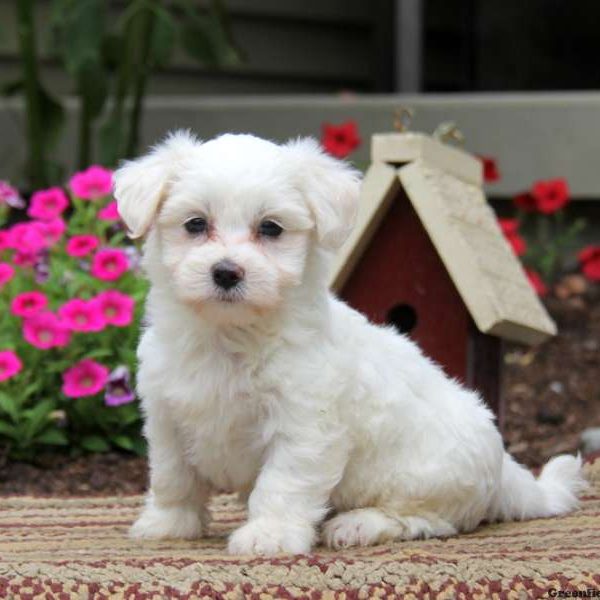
column 448, row 132
column 403, row 117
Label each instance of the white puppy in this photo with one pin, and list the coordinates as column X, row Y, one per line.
column 255, row 378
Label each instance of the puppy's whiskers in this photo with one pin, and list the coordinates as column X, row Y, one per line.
column 231, row 296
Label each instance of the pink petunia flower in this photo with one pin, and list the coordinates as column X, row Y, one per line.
column 82, row 245
column 51, row 230
column 47, row 204
column 92, row 183
column 25, row 258
column 116, row 308
column 28, row 304
column 82, row 315
column 45, row 330
column 4, row 240
column 85, row 378
column 6, row 273
column 10, row 364
column 109, row 264
column 109, row 212
column 27, row 237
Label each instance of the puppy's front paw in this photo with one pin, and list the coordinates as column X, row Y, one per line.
column 266, row 536
column 173, row 522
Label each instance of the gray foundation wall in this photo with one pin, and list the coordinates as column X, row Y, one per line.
column 533, row 136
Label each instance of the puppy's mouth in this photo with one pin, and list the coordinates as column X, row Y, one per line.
column 229, row 297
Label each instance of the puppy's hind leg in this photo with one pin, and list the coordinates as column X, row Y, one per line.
column 368, row 526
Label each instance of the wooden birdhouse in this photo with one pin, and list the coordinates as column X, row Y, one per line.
column 427, row 256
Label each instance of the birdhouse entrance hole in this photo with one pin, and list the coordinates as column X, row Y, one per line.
column 403, row 317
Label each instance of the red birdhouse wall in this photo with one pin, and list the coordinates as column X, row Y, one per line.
column 401, row 280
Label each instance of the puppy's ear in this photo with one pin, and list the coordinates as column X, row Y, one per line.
column 140, row 185
column 331, row 188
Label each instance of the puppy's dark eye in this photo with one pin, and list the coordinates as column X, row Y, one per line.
column 270, row 229
column 196, row 225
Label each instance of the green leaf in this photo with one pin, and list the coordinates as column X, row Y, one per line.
column 140, row 295
column 92, row 86
column 83, row 411
column 31, row 389
column 10, row 88
column 117, row 239
column 139, row 446
column 59, row 12
column 53, row 117
column 80, row 26
column 196, row 44
column 8, row 430
column 129, row 414
column 100, row 353
column 206, row 37
column 221, row 15
column 113, row 47
column 164, row 34
column 101, row 416
column 94, row 443
column 122, row 441
column 58, row 366
column 10, row 406
column 52, row 437
column 111, row 139
column 576, row 227
column 37, row 418
column 545, row 265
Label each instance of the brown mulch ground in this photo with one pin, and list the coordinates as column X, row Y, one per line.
column 552, row 394
column 95, row 474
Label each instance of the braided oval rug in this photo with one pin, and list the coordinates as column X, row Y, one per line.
column 78, row 548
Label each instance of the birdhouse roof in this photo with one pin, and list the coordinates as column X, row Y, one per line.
column 444, row 185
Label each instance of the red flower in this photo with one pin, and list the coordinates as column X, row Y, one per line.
column 491, row 174
column 551, row 195
column 537, row 283
column 340, row 140
column 510, row 229
column 519, row 245
column 526, row 202
column 589, row 259
column 509, row 226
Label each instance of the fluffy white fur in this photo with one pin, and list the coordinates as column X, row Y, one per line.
column 282, row 392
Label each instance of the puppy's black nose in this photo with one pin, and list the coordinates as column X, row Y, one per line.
column 226, row 274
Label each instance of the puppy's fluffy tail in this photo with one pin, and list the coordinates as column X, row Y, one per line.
column 521, row 496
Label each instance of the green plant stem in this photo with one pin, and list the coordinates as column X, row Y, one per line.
column 543, row 238
column 559, row 225
column 144, row 29
column 85, row 134
column 26, row 33
column 123, row 79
